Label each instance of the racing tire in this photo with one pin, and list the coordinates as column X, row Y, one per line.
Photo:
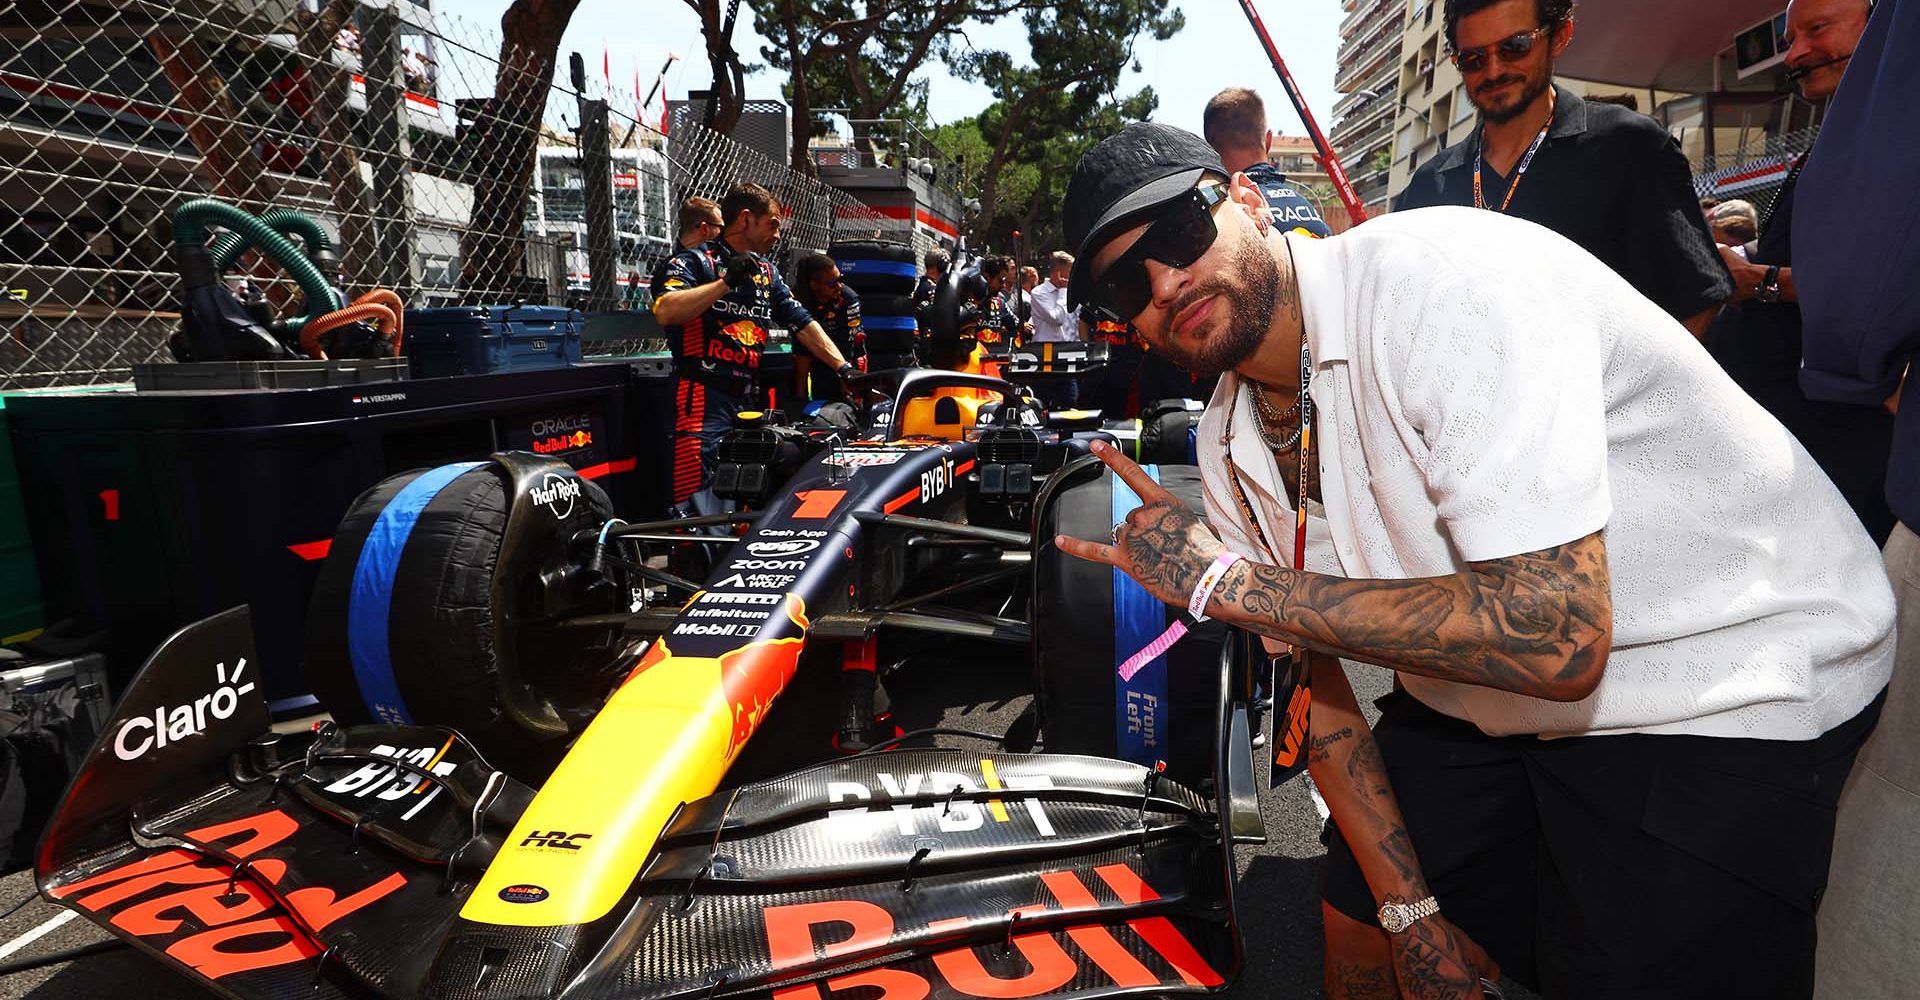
column 1096, row 617
column 887, row 305
column 441, row 623
column 877, row 267
column 1169, row 433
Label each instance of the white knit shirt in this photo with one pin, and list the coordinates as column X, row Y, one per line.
column 1483, row 388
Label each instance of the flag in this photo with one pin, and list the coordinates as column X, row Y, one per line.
column 638, row 110
column 606, row 69
column 663, row 114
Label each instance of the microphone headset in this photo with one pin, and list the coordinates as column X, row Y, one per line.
column 1794, row 75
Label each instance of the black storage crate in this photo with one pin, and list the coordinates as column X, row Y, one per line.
column 152, row 510
column 481, row 340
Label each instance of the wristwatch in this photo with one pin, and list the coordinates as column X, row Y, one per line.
column 1397, row 917
column 1769, row 290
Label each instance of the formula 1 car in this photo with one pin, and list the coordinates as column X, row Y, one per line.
column 524, row 791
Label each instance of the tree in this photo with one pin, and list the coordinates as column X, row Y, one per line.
column 1079, row 52
column 727, row 95
column 863, row 57
column 502, row 145
column 1032, row 180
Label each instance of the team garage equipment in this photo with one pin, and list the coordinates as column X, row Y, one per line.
column 525, row 790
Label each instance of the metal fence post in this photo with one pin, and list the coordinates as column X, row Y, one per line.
column 596, row 172
column 392, row 138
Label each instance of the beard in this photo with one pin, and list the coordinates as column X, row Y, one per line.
column 1249, row 312
column 1531, row 87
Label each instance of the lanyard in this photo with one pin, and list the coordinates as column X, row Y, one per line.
column 1480, row 164
column 1300, row 491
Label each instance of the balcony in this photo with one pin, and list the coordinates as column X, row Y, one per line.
column 1358, row 156
column 1370, row 111
column 1364, row 40
column 1350, row 72
column 1367, row 13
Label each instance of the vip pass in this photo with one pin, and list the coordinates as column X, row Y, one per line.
column 1196, row 609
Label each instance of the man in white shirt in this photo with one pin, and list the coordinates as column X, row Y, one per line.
column 1054, row 322
column 1637, row 635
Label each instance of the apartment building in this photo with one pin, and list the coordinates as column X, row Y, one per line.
column 1367, row 74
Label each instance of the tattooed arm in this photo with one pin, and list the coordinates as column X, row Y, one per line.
column 1432, row 958
column 1537, row 624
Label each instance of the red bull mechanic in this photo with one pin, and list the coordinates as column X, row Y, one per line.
column 716, row 301
column 999, row 330
column 837, row 308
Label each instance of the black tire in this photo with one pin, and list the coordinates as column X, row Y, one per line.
column 1167, row 431
column 876, row 268
column 889, row 250
column 1075, row 654
column 892, row 341
column 442, row 626
column 886, row 305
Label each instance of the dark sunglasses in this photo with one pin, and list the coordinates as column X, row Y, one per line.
column 1178, row 237
column 1511, row 48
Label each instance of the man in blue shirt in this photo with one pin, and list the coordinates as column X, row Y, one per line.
column 717, row 301
column 1756, row 338
column 1855, row 266
column 1235, row 124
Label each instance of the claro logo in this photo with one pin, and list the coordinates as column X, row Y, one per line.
column 170, row 725
column 556, row 494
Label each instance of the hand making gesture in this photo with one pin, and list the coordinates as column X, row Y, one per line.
column 1162, row 543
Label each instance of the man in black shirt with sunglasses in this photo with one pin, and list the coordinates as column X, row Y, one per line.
column 1605, row 177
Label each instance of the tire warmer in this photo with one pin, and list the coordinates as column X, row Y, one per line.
column 369, row 606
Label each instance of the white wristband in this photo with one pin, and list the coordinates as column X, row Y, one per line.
column 1203, row 592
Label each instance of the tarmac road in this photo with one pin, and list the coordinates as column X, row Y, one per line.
column 1277, row 892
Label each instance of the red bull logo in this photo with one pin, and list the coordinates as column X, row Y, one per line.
column 746, row 333
column 754, row 675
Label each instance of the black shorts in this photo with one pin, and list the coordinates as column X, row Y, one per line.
column 1617, row 866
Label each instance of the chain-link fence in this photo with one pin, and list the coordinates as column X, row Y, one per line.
column 438, row 164
column 1754, row 169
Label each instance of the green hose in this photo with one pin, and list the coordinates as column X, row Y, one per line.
column 228, row 246
column 192, row 220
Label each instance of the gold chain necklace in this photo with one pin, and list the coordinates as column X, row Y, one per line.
column 1273, row 421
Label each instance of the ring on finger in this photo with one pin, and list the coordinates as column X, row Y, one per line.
column 1116, row 534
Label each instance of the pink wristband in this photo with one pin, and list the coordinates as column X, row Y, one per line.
column 1203, row 592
